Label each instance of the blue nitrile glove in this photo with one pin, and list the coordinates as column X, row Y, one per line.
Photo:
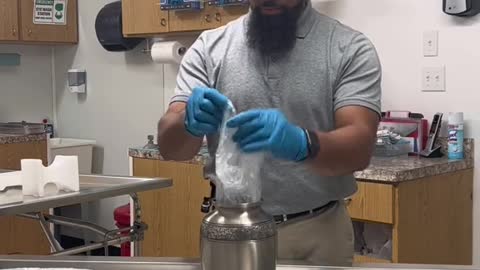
column 204, row 113
column 269, row 130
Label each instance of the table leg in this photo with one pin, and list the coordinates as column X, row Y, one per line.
column 51, row 239
column 137, row 223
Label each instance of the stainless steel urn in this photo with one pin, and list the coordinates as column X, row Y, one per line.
column 242, row 237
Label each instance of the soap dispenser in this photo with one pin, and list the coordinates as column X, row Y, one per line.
column 463, row 8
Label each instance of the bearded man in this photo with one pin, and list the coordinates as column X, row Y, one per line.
column 308, row 91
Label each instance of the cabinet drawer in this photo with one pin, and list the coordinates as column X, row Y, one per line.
column 360, row 259
column 372, row 202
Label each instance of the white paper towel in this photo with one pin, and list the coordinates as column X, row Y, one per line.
column 167, row 52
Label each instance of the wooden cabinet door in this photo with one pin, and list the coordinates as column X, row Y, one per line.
column 173, row 214
column 193, row 20
column 20, row 235
column 143, row 17
column 434, row 220
column 8, row 20
column 49, row 33
column 12, row 154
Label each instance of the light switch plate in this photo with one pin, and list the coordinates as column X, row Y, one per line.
column 430, row 43
column 433, row 79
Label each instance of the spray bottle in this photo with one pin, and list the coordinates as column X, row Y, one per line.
column 455, row 136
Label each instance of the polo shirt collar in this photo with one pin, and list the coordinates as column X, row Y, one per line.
column 306, row 21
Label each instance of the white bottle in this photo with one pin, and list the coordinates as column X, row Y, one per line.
column 455, row 136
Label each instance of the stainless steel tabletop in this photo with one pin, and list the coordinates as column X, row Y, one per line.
column 117, row 263
column 92, row 187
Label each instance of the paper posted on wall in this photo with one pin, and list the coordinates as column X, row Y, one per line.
column 50, row 12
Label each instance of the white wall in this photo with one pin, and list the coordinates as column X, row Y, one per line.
column 124, row 97
column 396, row 28
column 123, row 103
column 26, row 90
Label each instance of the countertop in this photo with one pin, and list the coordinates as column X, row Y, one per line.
column 381, row 169
column 10, row 138
column 399, row 169
column 406, row 168
column 154, row 153
column 118, row 263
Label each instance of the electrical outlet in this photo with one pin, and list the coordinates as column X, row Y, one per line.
column 430, row 43
column 433, row 79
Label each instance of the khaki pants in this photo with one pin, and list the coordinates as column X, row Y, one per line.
column 324, row 238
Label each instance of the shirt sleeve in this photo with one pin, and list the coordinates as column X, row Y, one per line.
column 359, row 78
column 192, row 72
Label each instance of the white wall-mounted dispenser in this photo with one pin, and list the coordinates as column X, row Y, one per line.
column 77, row 80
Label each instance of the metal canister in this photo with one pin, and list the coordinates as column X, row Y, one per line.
column 238, row 238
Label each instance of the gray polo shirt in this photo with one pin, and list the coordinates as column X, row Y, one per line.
column 330, row 67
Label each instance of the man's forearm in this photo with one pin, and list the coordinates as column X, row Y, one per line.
column 174, row 141
column 344, row 151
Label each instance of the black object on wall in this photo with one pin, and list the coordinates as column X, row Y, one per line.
column 108, row 26
column 463, row 8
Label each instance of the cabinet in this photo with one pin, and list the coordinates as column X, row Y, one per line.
column 430, row 218
column 173, row 215
column 144, row 18
column 16, row 24
column 8, row 20
column 48, row 33
column 19, row 235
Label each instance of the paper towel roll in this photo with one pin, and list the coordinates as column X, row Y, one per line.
column 167, row 52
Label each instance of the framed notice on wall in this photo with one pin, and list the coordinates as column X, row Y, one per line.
column 50, row 12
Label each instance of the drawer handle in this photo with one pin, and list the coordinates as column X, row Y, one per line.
column 29, row 32
column 14, row 31
column 208, row 18
column 163, row 22
column 218, row 17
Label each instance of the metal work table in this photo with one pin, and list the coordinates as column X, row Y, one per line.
column 117, row 263
column 92, row 187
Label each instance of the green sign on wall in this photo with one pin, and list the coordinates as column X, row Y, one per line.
column 50, row 12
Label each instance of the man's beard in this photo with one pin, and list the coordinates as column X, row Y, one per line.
column 274, row 33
